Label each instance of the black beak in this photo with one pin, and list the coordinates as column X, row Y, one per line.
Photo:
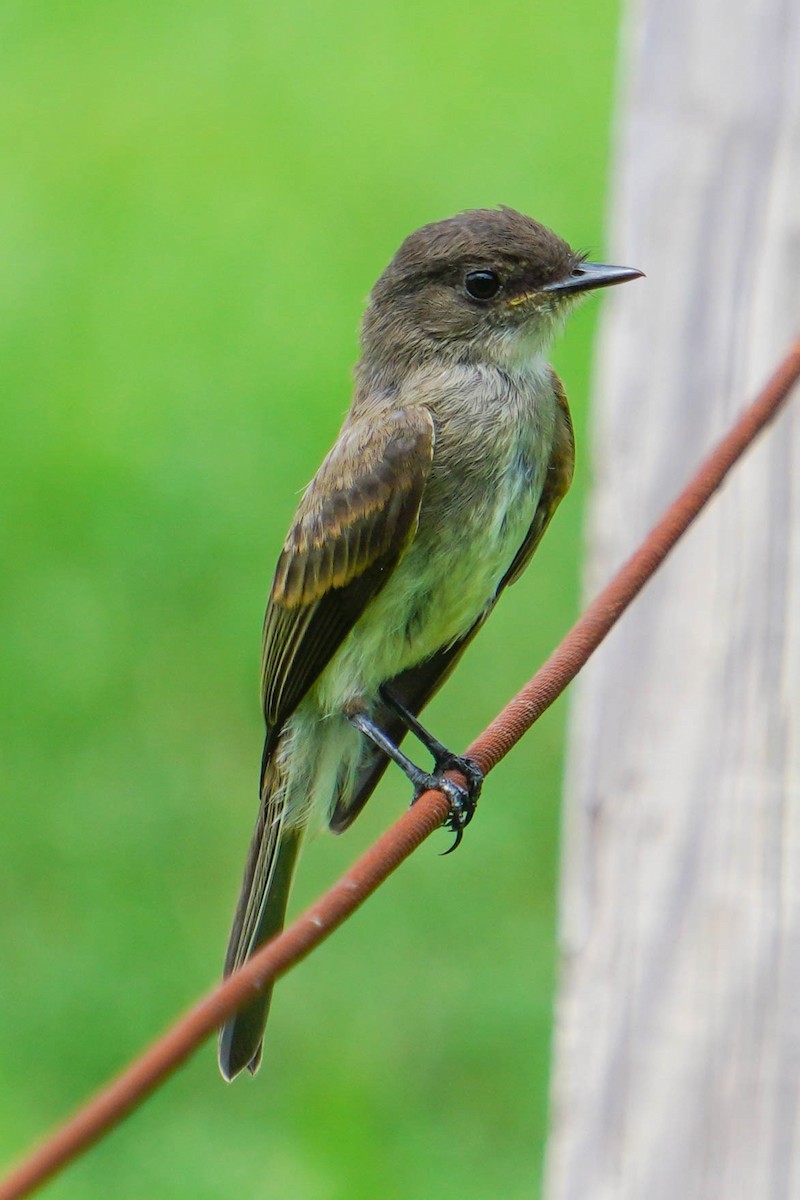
column 593, row 275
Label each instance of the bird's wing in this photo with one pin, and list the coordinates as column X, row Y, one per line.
column 416, row 686
column 354, row 523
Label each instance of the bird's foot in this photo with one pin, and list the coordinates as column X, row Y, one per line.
column 463, row 798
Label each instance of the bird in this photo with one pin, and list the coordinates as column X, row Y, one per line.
column 454, row 454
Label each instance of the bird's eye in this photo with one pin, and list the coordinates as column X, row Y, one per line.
column 481, row 285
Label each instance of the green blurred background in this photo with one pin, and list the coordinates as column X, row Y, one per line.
column 194, row 202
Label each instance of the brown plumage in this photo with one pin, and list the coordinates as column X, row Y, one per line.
column 455, row 454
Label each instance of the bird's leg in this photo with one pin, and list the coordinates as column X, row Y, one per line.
column 444, row 759
column 462, row 799
column 422, row 780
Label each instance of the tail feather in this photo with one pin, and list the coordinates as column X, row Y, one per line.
column 260, row 915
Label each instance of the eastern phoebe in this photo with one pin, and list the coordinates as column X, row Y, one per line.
column 452, row 459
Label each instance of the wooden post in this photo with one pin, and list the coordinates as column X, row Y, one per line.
column 677, row 1052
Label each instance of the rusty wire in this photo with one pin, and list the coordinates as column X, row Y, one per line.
column 109, row 1106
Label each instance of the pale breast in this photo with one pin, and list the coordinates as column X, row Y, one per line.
column 489, row 467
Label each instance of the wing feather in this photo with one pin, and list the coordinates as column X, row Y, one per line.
column 354, row 523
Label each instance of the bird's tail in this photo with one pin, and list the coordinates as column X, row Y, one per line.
column 260, row 915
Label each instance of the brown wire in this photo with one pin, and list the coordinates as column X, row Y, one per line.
column 107, row 1108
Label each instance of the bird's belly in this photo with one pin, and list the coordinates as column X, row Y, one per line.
column 448, row 577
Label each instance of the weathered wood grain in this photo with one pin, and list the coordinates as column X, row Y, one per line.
column 677, row 1053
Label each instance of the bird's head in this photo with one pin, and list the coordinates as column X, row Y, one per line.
column 486, row 285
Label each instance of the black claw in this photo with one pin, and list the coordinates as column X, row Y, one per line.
column 456, row 843
column 471, row 772
column 463, row 800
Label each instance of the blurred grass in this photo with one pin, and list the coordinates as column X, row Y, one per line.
column 194, row 201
